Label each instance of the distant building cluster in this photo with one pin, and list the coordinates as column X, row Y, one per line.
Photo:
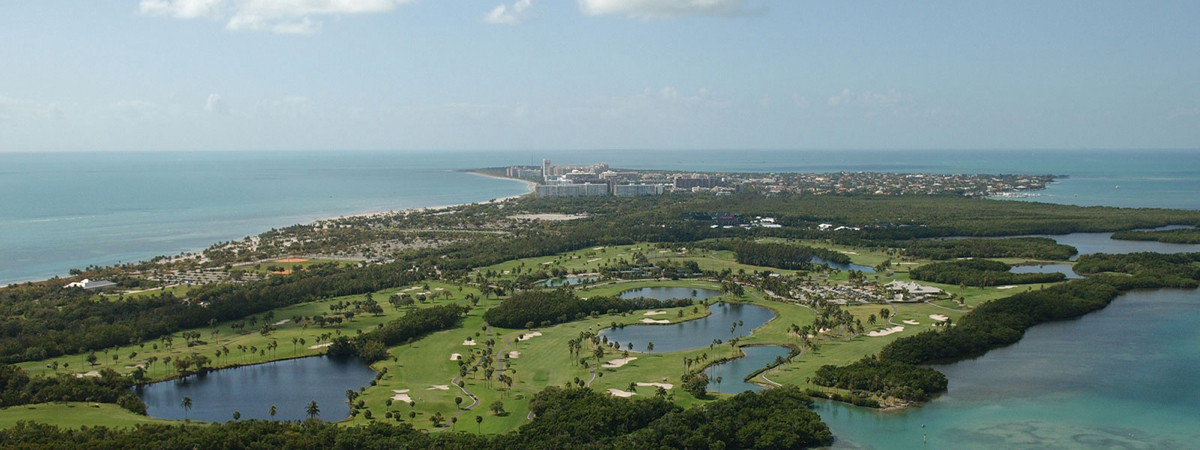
column 589, row 180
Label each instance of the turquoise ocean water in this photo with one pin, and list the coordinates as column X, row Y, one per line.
column 1122, row 378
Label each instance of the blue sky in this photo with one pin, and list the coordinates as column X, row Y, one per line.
column 150, row 75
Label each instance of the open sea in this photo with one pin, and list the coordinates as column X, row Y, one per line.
column 1122, row 378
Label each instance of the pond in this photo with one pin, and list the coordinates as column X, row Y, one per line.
column 693, row 334
column 568, row 281
column 733, row 372
column 288, row 385
column 1064, row 269
column 670, row 293
column 844, row 266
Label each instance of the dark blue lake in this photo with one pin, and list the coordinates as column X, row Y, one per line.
column 1064, row 269
column 733, row 372
column 693, row 333
column 844, row 266
column 288, row 385
column 670, row 293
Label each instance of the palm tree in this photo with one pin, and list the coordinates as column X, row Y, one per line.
column 478, row 421
column 312, row 410
column 187, row 404
column 649, row 347
column 271, row 411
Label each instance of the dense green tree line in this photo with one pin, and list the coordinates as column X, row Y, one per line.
column 887, row 377
column 19, row 388
column 543, row 308
column 45, row 321
column 570, row 418
column 372, row 346
column 1178, row 236
column 979, row 272
column 783, row 256
column 1037, row 248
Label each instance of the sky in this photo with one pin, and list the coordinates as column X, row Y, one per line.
column 173, row 75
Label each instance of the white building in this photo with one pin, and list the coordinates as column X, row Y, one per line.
column 911, row 291
column 91, row 285
column 637, row 190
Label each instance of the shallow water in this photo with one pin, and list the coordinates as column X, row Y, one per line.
column 693, row 334
column 1122, row 378
column 289, row 385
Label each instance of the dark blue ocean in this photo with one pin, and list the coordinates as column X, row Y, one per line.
column 69, row 210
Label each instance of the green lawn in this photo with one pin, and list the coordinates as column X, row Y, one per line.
column 74, row 415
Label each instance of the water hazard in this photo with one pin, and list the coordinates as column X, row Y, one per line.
column 733, row 373
column 251, row 390
column 670, row 293
column 694, row 334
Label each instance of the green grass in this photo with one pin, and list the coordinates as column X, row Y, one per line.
column 74, row 415
column 543, row 360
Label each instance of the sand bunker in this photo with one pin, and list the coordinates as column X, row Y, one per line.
column 911, row 322
column 91, row 373
column 653, row 313
column 848, row 253
column 1006, row 287
column 655, row 321
column 438, row 387
column 661, row 385
column 314, row 347
column 597, row 248
column 411, row 289
column 620, row 393
column 291, row 260
column 455, row 356
column 527, row 336
column 401, row 395
column 938, row 317
column 514, row 354
column 618, row 362
column 281, row 322
column 895, row 329
column 469, row 342
column 593, row 260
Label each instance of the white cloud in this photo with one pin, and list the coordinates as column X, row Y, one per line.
column 276, row 16
column 509, row 14
column 216, row 105
column 649, row 9
column 669, row 92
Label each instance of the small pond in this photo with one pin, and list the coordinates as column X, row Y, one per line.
column 568, row 281
column 845, row 266
column 670, row 293
column 288, row 385
column 693, row 334
column 733, row 372
column 1064, row 269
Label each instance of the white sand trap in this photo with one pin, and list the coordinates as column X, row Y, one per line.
column 938, row 317
column 655, row 321
column 911, row 322
column 412, row 288
column 597, row 248
column 593, row 260
column 527, row 336
column 314, row 347
column 469, row 342
column 439, row 289
column 661, row 385
column 895, row 329
column 617, row 362
column 438, row 387
column 281, row 322
column 1006, row 287
column 662, row 251
column 90, row 373
column 401, row 395
column 455, row 356
column 506, row 272
column 620, row 393
column 849, row 253
column 653, row 313
column 514, row 354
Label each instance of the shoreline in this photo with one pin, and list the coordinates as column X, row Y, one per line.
column 528, row 184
